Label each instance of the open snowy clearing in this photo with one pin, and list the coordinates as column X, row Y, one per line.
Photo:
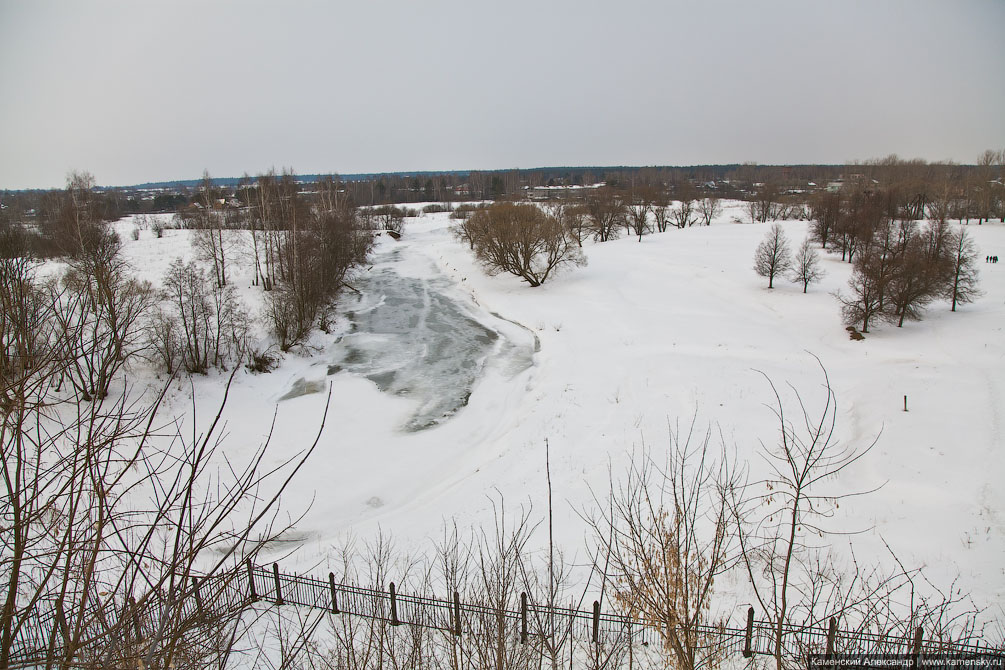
column 647, row 336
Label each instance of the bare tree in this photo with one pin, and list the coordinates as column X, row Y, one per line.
column 576, row 218
column 208, row 238
column 668, row 533
column 310, row 251
column 606, row 209
column 209, row 322
column 785, row 511
column 963, row 281
column 638, row 210
column 661, row 208
column 521, row 240
column 773, row 257
column 763, row 205
column 571, row 215
column 709, row 208
column 108, row 522
column 684, row 214
column 867, row 284
column 985, row 189
column 390, row 218
column 806, row 267
column 940, row 206
column 825, row 210
column 73, row 217
column 915, row 281
column 101, row 312
column 498, row 560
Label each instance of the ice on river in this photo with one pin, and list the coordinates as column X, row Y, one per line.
column 419, row 337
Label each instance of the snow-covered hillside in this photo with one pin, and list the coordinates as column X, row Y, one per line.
column 647, row 335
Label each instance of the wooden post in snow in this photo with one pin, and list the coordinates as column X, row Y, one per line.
column 749, row 635
column 394, row 607
column 251, row 581
column 331, row 584
column 523, row 618
column 275, row 578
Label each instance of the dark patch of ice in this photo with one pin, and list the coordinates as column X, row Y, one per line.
column 411, row 338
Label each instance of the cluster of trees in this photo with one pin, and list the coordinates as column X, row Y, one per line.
column 303, row 252
column 773, row 258
column 978, row 190
column 303, row 247
column 900, row 265
column 96, row 310
column 106, row 519
column 903, row 267
column 646, row 210
column 766, row 202
column 532, row 242
column 966, row 192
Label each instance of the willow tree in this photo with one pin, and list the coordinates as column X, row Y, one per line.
column 520, row 239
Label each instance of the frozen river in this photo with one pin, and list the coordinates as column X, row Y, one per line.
column 420, row 337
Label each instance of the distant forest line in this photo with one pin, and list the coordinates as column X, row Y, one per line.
column 978, row 190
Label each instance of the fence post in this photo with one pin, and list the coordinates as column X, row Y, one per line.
column 251, row 581
column 916, row 650
column 749, row 635
column 523, row 618
column 831, row 633
column 596, row 620
column 198, row 596
column 394, row 607
column 331, row 583
column 457, row 613
column 275, row 578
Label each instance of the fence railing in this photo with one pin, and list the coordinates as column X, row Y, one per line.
column 45, row 635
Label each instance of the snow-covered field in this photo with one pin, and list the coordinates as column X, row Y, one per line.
column 644, row 336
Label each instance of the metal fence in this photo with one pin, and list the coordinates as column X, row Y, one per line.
column 97, row 631
column 45, row 634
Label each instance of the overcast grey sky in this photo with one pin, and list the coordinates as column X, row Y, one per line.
column 135, row 91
